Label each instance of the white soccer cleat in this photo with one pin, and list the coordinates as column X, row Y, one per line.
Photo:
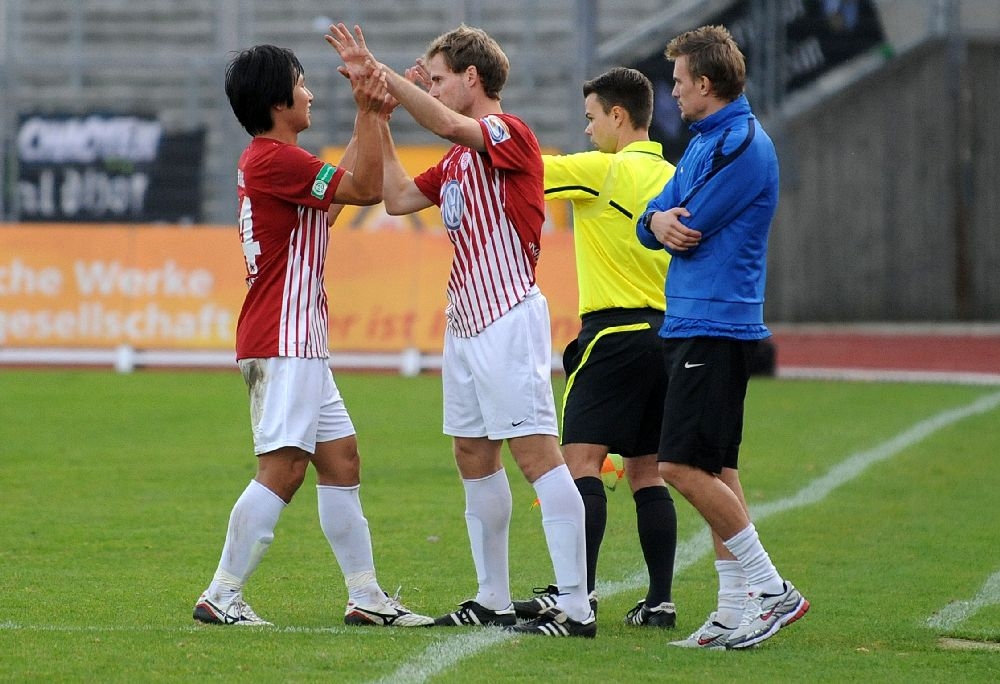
column 237, row 612
column 390, row 613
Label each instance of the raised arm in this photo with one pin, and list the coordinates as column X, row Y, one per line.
column 432, row 114
column 347, row 162
column 363, row 183
column 400, row 193
column 426, row 110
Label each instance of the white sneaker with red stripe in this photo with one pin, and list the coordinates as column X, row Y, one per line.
column 765, row 614
column 711, row 635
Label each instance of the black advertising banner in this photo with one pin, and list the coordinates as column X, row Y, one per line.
column 106, row 168
column 818, row 35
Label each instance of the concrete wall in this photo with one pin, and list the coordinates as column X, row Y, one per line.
column 890, row 201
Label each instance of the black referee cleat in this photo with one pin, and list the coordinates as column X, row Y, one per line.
column 663, row 615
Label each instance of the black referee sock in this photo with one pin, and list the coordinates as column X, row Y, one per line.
column 656, row 519
column 595, row 506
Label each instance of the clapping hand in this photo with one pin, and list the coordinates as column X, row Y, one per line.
column 358, row 59
column 418, row 74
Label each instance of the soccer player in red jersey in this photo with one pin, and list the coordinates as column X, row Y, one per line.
column 496, row 374
column 286, row 196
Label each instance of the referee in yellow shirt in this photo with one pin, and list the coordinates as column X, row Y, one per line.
column 615, row 377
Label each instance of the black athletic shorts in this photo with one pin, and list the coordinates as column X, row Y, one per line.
column 615, row 382
column 703, row 413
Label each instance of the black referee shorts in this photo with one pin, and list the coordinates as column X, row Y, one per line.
column 703, row 412
column 615, row 382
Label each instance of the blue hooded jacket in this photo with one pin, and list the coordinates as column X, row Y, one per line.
column 728, row 180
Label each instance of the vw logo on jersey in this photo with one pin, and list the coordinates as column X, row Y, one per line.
column 497, row 129
column 452, row 205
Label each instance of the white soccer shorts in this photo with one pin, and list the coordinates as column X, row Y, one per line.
column 498, row 384
column 294, row 402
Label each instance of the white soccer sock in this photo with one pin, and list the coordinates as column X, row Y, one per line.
column 562, row 520
column 762, row 576
column 732, row 592
column 488, row 505
column 250, row 533
column 346, row 529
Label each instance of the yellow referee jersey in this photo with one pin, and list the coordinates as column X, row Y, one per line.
column 609, row 192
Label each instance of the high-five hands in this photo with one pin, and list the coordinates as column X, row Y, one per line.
column 359, row 62
column 352, row 49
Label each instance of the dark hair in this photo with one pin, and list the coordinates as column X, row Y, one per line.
column 467, row 46
column 712, row 52
column 627, row 88
column 259, row 78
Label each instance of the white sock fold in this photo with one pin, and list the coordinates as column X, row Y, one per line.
column 762, row 576
column 562, row 521
column 732, row 592
column 488, row 505
column 346, row 530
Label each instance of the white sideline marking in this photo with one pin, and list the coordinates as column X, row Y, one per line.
column 450, row 651
column 443, row 654
column 958, row 612
column 193, row 628
column 447, row 652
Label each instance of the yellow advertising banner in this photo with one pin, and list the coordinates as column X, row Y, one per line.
column 387, row 288
column 73, row 285
column 172, row 287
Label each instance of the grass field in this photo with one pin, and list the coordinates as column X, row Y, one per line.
column 878, row 500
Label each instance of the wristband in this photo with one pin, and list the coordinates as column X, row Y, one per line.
column 646, row 219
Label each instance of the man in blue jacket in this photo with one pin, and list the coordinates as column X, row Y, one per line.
column 713, row 217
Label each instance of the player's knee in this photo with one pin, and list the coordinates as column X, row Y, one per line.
column 338, row 467
column 283, row 471
column 673, row 473
column 642, row 472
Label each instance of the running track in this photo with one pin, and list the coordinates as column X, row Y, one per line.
column 948, row 352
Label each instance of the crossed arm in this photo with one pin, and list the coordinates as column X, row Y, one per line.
column 667, row 229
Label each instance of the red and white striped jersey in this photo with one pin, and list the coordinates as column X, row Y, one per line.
column 493, row 206
column 284, row 193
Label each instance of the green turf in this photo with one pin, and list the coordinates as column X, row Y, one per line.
column 115, row 492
